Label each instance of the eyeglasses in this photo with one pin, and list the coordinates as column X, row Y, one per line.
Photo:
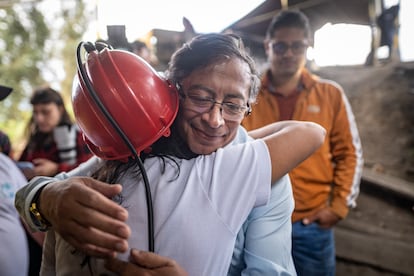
column 229, row 110
column 297, row 47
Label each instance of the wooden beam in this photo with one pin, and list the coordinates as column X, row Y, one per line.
column 390, row 183
column 375, row 251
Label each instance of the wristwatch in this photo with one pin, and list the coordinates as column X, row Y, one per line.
column 42, row 223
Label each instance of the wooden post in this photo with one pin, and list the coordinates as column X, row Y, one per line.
column 374, row 9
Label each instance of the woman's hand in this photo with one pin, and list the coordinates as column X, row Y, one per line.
column 45, row 167
column 143, row 263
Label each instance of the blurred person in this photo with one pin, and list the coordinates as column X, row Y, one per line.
column 5, row 145
column 222, row 72
column 54, row 145
column 6, row 148
column 326, row 185
column 388, row 23
column 14, row 254
column 141, row 49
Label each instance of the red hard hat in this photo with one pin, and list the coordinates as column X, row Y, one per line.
column 142, row 104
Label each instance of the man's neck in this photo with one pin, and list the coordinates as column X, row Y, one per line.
column 285, row 85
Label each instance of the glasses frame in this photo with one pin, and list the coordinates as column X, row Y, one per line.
column 297, row 47
column 246, row 109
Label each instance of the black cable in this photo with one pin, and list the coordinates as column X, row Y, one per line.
column 150, row 214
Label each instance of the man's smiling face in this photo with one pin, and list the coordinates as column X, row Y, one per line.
column 227, row 81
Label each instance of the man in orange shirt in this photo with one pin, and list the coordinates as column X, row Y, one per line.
column 325, row 185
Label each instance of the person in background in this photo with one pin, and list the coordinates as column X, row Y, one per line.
column 141, row 49
column 54, row 145
column 325, row 185
column 388, row 23
column 200, row 63
column 5, row 145
column 7, row 149
column 14, row 254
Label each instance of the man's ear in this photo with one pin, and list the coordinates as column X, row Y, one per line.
column 266, row 46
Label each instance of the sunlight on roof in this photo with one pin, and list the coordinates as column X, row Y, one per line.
column 349, row 44
column 139, row 18
column 341, row 44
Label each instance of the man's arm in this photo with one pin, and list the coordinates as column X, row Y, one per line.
column 346, row 153
column 268, row 231
column 264, row 243
column 26, row 195
column 24, row 198
column 79, row 209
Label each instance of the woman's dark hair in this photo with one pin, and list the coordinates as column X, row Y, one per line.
column 166, row 148
column 45, row 95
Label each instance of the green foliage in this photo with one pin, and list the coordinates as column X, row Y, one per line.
column 28, row 42
column 23, row 35
column 21, row 51
column 71, row 33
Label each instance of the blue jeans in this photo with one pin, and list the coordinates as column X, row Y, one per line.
column 313, row 250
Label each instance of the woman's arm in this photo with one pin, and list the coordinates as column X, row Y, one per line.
column 290, row 144
column 269, row 129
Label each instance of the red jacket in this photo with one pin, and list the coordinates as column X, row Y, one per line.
column 331, row 176
column 49, row 151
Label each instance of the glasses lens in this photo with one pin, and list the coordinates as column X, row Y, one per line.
column 280, row 48
column 298, row 47
column 229, row 111
column 199, row 104
column 233, row 112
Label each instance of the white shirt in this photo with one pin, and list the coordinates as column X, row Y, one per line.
column 14, row 254
column 197, row 213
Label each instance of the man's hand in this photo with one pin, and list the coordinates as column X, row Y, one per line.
column 324, row 217
column 80, row 210
column 144, row 263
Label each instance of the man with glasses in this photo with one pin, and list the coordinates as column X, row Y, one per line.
column 216, row 92
column 326, row 185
